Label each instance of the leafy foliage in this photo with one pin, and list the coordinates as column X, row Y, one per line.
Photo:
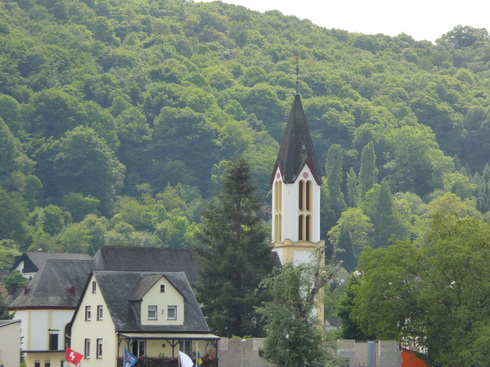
column 294, row 334
column 433, row 295
column 105, row 101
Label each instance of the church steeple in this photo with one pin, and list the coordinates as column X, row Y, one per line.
column 297, row 147
column 296, row 181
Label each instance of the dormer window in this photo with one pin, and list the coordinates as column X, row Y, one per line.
column 162, row 288
column 152, row 312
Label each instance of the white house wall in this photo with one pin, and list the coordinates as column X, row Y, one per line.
column 171, row 297
column 303, row 257
column 39, row 326
column 93, row 330
column 23, row 317
column 9, row 345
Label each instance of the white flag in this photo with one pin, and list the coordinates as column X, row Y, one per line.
column 185, row 360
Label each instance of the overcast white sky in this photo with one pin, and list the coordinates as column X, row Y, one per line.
column 422, row 19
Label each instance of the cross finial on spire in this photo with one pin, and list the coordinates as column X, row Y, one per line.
column 297, row 74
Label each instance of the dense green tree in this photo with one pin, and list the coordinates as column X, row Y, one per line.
column 483, row 191
column 465, row 36
column 294, row 334
column 350, row 328
column 368, row 173
column 433, row 294
column 9, row 153
column 79, row 205
column 11, row 113
column 334, row 179
column 353, row 194
column 384, row 216
column 134, row 212
column 416, row 163
column 14, row 281
column 233, row 229
column 4, row 313
column 55, row 112
column 185, row 135
column 344, row 250
column 13, row 216
column 352, row 230
column 50, row 219
column 86, row 165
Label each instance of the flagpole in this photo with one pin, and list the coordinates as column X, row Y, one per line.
column 197, row 353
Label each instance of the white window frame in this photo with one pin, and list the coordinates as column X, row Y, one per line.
column 88, row 313
column 98, row 351
column 86, row 349
column 100, row 312
column 172, row 312
column 140, row 346
column 152, row 312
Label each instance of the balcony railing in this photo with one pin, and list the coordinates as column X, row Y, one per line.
column 166, row 362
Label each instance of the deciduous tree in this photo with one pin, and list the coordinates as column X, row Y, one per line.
column 295, row 337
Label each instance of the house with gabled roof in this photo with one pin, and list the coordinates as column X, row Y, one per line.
column 45, row 306
column 154, row 315
column 29, row 263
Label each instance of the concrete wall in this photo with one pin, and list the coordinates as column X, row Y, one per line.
column 356, row 353
column 235, row 353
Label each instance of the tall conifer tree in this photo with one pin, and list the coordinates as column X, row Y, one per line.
column 368, row 173
column 386, row 220
column 353, row 194
column 334, row 179
column 240, row 256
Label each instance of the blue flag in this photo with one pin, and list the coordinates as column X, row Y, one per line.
column 129, row 359
column 198, row 359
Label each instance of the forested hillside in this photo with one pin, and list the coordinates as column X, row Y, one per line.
column 117, row 119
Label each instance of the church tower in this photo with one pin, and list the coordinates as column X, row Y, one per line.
column 296, row 181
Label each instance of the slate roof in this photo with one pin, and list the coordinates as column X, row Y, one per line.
column 33, row 261
column 59, row 284
column 118, row 287
column 148, row 259
column 297, row 147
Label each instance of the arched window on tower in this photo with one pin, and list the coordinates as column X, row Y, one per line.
column 278, row 211
column 305, row 194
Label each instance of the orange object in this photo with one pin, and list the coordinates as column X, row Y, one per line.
column 409, row 359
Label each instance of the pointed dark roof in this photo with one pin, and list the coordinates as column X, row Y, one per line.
column 119, row 287
column 58, row 284
column 33, row 261
column 297, row 147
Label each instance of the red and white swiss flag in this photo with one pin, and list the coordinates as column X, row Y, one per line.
column 72, row 356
